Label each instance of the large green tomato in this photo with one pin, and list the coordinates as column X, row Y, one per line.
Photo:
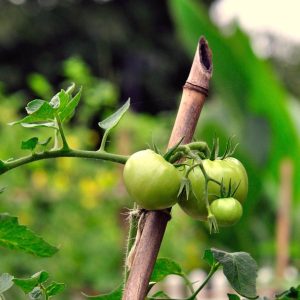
column 227, row 211
column 228, row 169
column 151, row 181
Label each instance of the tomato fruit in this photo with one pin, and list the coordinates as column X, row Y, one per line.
column 227, row 211
column 228, row 169
column 151, row 181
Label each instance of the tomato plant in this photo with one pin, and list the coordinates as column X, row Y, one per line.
column 208, row 188
column 151, row 181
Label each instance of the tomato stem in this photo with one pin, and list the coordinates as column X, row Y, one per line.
column 212, row 271
column 212, row 222
column 104, row 139
column 65, row 145
column 134, row 216
column 101, row 155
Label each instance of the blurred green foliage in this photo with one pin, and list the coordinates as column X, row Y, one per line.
column 255, row 106
column 81, row 205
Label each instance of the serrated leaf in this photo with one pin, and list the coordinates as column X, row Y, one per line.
column 29, row 144
column 114, row 295
column 6, row 282
column 55, row 288
column 68, row 111
column 113, row 120
column 18, row 237
column 240, row 270
column 209, row 257
column 233, row 297
column 36, row 294
column 164, row 267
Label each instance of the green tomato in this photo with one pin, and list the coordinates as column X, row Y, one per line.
column 228, row 169
column 151, row 181
column 227, row 211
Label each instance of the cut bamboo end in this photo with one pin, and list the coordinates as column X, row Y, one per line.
column 201, row 70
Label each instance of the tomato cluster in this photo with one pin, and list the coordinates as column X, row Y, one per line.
column 229, row 171
column 218, row 188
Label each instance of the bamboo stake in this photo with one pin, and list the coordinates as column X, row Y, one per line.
column 283, row 217
column 194, row 93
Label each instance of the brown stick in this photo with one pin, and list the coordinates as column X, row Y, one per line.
column 193, row 97
column 283, row 217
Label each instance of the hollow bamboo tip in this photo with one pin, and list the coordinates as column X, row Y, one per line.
column 201, row 70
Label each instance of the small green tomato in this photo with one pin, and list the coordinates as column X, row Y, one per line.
column 227, row 211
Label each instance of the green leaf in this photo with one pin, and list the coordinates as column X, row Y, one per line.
column 6, row 282
column 55, row 288
column 292, row 293
column 241, row 271
column 41, row 276
column 113, row 120
column 115, row 295
column 18, row 237
column 233, row 297
column 2, row 189
column 209, row 257
column 29, row 144
column 39, row 112
column 60, row 100
column 34, row 105
column 164, row 267
column 28, row 284
column 68, row 111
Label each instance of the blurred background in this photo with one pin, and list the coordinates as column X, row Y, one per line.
column 143, row 50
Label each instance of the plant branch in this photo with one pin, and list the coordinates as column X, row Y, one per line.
column 12, row 164
column 212, row 271
column 62, row 134
column 133, row 228
column 104, row 139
